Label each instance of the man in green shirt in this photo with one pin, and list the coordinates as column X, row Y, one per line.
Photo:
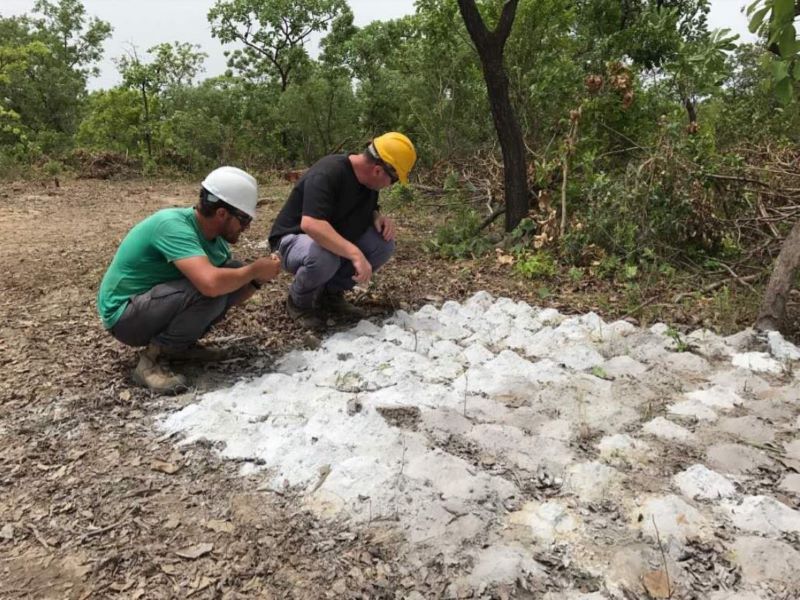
column 172, row 276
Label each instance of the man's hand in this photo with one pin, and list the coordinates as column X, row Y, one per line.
column 266, row 268
column 385, row 226
column 363, row 269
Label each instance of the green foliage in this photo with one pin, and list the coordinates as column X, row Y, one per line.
column 274, row 34
column 45, row 60
column 460, row 237
column 602, row 86
column 775, row 20
column 575, row 274
column 680, row 344
column 535, row 265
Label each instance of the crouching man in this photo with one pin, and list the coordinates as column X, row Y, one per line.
column 172, row 277
column 331, row 234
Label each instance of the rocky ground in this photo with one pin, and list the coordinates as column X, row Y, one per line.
column 668, row 473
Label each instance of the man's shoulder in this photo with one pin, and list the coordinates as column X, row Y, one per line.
column 172, row 218
column 332, row 165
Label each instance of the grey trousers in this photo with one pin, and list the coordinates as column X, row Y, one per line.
column 316, row 268
column 172, row 314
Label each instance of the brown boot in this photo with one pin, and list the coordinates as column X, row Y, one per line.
column 306, row 317
column 152, row 375
column 194, row 353
column 335, row 303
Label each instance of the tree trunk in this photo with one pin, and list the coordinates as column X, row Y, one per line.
column 772, row 315
column 490, row 47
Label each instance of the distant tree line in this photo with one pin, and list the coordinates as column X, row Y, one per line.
column 637, row 121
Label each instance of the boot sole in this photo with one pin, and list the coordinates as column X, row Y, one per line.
column 176, row 389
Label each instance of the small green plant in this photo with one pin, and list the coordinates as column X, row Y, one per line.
column 539, row 265
column 53, row 169
column 680, row 344
column 666, row 270
column 397, row 196
column 460, row 238
column 522, row 234
column 600, row 372
column 575, row 274
column 608, row 267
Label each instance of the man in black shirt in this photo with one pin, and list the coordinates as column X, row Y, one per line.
column 330, row 233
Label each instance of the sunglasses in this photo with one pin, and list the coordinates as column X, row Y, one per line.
column 243, row 218
column 389, row 170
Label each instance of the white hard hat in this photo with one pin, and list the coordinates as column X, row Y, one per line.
column 235, row 187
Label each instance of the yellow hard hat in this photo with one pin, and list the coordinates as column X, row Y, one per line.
column 397, row 150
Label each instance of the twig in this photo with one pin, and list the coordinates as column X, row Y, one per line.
column 663, row 557
column 735, row 276
column 640, row 307
column 39, row 537
column 711, row 287
column 491, row 218
column 105, row 529
column 735, row 178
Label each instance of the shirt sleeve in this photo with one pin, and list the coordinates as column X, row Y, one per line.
column 319, row 197
column 175, row 241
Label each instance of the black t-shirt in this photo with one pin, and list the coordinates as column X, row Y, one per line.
column 328, row 191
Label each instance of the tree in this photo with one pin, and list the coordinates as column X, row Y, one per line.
column 782, row 41
column 48, row 92
column 490, row 45
column 14, row 62
column 172, row 65
column 274, row 33
column 77, row 41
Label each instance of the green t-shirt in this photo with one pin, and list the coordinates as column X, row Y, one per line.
column 145, row 258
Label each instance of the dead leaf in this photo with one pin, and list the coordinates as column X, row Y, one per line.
column 58, row 474
column 7, row 532
column 125, row 395
column 122, row 587
column 74, row 455
column 195, row 551
column 503, row 258
column 164, row 467
column 171, row 569
column 200, row 584
column 221, row 526
column 657, row 584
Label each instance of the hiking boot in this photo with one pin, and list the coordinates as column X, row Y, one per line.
column 150, row 374
column 335, row 303
column 194, row 353
column 309, row 318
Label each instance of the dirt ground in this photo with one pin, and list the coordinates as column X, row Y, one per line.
column 93, row 503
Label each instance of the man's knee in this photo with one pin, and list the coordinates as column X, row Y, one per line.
column 321, row 261
column 381, row 253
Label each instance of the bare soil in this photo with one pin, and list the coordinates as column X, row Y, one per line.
column 93, row 503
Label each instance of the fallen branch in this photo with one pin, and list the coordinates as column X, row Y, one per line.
column 491, row 218
column 717, row 284
column 663, row 557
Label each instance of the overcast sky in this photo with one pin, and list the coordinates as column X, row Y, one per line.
column 146, row 23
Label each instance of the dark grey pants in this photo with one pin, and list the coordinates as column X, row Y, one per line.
column 315, row 268
column 172, row 314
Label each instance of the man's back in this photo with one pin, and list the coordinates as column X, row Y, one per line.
column 146, row 258
column 329, row 191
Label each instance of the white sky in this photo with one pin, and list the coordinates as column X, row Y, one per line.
column 146, row 23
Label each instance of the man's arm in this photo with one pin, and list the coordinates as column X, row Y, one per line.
column 326, row 236
column 214, row 281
